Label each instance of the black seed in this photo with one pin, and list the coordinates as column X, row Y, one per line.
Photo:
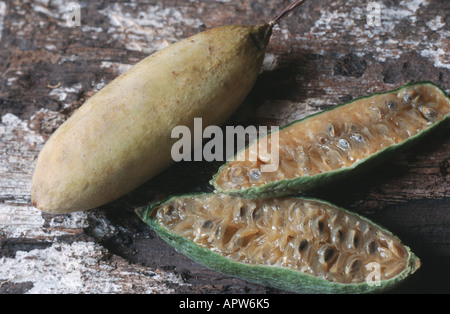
column 207, row 224
column 355, row 241
column 320, row 225
column 358, row 137
column 255, row 173
column 343, row 143
column 169, row 210
column 428, row 113
column 391, row 105
column 242, row 211
column 303, row 245
column 256, row 214
column 409, row 96
column 341, row 234
column 331, row 130
column 372, row 247
column 218, row 230
column 329, row 252
column 355, row 265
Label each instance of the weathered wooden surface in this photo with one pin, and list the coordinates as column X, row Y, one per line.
column 324, row 54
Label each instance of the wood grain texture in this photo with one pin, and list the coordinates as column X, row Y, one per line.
column 323, row 54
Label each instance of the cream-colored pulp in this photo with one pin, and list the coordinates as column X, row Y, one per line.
column 341, row 137
column 305, row 235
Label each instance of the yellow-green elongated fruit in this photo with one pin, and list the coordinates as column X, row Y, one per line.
column 121, row 137
column 295, row 244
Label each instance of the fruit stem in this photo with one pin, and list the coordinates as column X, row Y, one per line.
column 286, row 11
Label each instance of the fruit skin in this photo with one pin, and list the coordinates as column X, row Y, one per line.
column 273, row 276
column 305, row 184
column 121, row 137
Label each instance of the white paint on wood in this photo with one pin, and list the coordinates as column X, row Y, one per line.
column 2, row 16
column 62, row 91
column 150, row 29
column 80, row 267
column 381, row 39
column 436, row 23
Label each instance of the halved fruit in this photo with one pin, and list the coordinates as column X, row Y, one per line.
column 294, row 244
column 335, row 142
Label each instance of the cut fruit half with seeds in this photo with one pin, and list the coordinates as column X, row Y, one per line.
column 338, row 141
column 294, row 244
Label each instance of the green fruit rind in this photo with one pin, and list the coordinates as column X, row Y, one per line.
column 273, row 276
column 306, row 183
